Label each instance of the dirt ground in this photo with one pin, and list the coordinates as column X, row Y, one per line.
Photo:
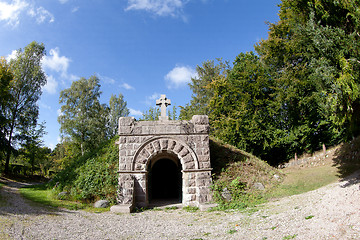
column 331, row 212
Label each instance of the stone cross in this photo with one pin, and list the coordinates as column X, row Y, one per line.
column 163, row 102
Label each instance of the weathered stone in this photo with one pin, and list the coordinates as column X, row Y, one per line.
column 157, row 146
column 143, row 143
column 200, row 119
column 123, row 208
column 171, row 144
column 101, row 204
column 226, row 194
column 126, row 121
column 277, row 177
column 259, row 186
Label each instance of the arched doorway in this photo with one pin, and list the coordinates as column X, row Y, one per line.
column 164, row 181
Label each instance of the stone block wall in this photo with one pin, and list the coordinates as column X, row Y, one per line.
column 184, row 141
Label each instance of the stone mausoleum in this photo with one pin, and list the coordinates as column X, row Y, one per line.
column 163, row 161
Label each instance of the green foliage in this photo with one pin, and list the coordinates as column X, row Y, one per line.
column 21, row 110
column 206, row 74
column 290, row 236
column 302, row 90
column 31, row 148
column 117, row 109
column 232, row 231
column 81, row 114
column 92, row 176
column 191, row 208
column 40, row 194
column 236, row 171
column 5, row 77
column 153, row 113
column 242, row 111
column 313, row 50
column 96, row 180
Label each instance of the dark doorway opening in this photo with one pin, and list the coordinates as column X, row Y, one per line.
column 165, row 182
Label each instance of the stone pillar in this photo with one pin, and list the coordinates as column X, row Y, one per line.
column 203, row 183
column 125, row 194
column 140, row 187
column 189, row 188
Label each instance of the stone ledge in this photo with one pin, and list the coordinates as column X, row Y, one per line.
column 123, row 208
column 207, row 206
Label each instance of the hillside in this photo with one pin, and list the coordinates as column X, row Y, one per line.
column 240, row 178
column 94, row 176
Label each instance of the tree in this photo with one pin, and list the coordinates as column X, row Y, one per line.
column 31, row 145
column 5, row 77
column 314, row 55
column 117, row 109
column 242, row 111
column 83, row 118
column 201, row 90
column 151, row 115
column 25, row 90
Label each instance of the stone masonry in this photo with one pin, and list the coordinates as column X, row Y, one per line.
column 142, row 143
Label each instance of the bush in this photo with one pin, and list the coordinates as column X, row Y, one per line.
column 92, row 176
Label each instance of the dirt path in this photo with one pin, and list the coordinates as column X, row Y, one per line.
column 331, row 212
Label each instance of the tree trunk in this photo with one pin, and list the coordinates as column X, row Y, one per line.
column 8, row 154
column 8, row 150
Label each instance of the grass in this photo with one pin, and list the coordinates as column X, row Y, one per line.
column 290, row 236
column 190, row 208
column 302, row 180
column 39, row 194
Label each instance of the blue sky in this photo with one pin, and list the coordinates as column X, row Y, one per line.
column 140, row 48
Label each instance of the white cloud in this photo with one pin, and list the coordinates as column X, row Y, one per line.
column 179, row 76
column 10, row 12
column 41, row 14
column 150, row 100
column 45, row 106
column 51, row 85
column 158, row 7
column 134, row 112
column 56, row 62
column 63, row 1
column 12, row 55
column 106, row 79
column 75, row 9
column 127, row 86
column 73, row 77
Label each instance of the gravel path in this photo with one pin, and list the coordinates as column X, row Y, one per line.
column 331, row 212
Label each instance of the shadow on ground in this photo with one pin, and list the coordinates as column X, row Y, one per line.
column 347, row 160
column 12, row 203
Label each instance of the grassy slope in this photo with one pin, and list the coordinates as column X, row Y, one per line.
column 238, row 172
column 340, row 164
column 300, row 180
column 233, row 169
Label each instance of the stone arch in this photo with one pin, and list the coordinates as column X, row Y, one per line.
column 160, row 145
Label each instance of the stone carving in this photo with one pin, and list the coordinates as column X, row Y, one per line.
column 163, row 102
column 145, row 145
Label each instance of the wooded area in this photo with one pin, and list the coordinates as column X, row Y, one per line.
column 298, row 89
